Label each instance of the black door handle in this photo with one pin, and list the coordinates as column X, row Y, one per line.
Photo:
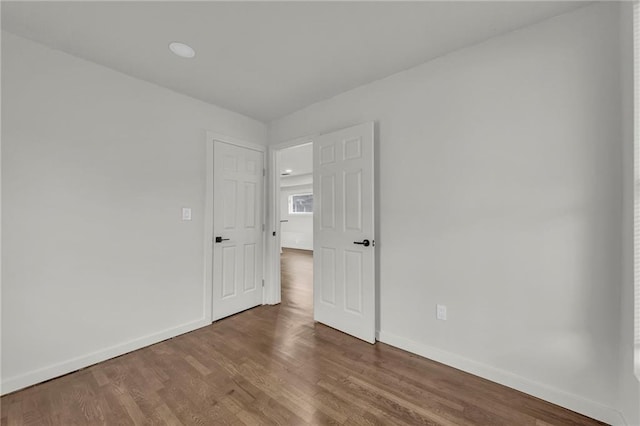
column 365, row 243
column 220, row 239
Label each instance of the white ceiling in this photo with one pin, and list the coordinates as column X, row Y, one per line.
column 267, row 59
column 298, row 159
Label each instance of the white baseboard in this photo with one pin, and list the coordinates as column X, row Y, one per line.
column 555, row 396
column 46, row 373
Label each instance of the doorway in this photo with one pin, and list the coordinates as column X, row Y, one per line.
column 344, row 246
column 295, row 219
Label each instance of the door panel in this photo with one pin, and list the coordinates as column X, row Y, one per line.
column 250, row 205
column 344, row 272
column 249, row 267
column 228, row 272
column 229, row 203
column 353, row 276
column 237, row 221
column 353, row 200
column 327, row 276
column 327, row 207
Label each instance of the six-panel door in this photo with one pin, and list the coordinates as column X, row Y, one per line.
column 344, row 264
column 237, row 224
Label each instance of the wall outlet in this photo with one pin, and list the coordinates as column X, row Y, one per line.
column 441, row 312
column 186, row 213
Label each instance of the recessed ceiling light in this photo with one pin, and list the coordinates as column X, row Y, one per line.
column 288, row 171
column 182, row 50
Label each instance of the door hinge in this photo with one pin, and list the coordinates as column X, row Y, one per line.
column 264, row 172
column 262, row 283
column 263, row 227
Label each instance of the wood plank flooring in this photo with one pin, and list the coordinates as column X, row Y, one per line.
column 273, row 365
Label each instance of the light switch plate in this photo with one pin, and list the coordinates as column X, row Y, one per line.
column 186, row 213
column 441, row 312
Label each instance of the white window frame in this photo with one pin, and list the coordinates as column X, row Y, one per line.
column 291, row 212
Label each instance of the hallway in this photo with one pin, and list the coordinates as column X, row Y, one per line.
column 296, row 268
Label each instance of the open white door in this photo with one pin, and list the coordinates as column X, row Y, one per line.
column 237, row 226
column 344, row 248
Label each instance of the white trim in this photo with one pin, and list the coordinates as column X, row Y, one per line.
column 555, row 396
column 15, row 383
column 208, row 215
column 298, row 187
column 635, row 107
column 305, row 140
column 272, row 286
column 298, row 175
column 208, row 230
column 211, row 136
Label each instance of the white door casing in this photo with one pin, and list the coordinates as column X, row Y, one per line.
column 237, row 229
column 344, row 271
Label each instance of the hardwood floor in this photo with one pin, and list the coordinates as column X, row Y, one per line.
column 273, row 365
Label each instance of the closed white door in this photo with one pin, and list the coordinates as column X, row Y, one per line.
column 238, row 231
column 344, row 241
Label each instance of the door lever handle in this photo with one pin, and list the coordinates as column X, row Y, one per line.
column 365, row 243
column 220, row 239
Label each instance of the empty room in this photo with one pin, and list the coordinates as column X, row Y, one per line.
column 331, row 212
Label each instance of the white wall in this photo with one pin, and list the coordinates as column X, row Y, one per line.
column 513, row 215
column 96, row 167
column 629, row 383
column 297, row 232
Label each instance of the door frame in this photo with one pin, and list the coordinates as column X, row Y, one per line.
column 211, row 137
column 273, row 287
